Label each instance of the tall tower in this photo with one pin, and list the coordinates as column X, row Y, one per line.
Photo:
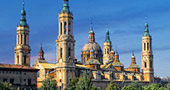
column 22, row 49
column 147, row 55
column 65, row 48
column 107, row 47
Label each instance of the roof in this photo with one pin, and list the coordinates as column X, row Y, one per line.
column 133, row 66
column 92, row 62
column 12, row 66
column 48, row 65
column 117, row 64
column 94, row 45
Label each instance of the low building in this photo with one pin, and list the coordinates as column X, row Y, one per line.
column 23, row 77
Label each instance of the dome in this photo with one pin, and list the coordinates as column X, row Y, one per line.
column 89, row 45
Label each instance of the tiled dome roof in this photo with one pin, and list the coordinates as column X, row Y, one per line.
column 89, row 45
column 92, row 62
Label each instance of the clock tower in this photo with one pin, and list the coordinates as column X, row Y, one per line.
column 147, row 56
column 65, row 67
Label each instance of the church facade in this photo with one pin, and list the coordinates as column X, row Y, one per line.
column 103, row 65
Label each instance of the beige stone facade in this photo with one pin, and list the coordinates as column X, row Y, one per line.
column 22, row 77
column 104, row 67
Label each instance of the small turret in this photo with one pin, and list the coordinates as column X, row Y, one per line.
column 133, row 66
column 41, row 54
column 91, row 34
column 116, row 63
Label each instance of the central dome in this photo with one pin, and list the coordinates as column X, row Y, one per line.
column 89, row 45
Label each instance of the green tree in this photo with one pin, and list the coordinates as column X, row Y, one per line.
column 112, row 86
column 95, row 88
column 73, row 83
column 6, row 86
column 129, row 88
column 154, row 86
column 84, row 83
column 168, row 86
column 49, row 84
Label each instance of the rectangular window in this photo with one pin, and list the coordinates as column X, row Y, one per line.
column 29, row 82
column 4, row 80
column 12, row 81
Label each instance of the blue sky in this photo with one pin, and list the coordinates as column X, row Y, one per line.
column 125, row 18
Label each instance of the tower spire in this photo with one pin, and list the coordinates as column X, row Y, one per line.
column 107, row 39
column 91, row 27
column 146, row 33
column 66, row 6
column 23, row 21
column 41, row 53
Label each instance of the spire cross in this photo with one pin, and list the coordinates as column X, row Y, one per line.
column 23, row 3
column 146, row 19
column 91, row 25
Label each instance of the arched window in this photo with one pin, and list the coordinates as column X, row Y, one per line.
column 18, row 39
column 21, row 39
column 107, row 51
column 61, row 28
column 25, row 58
column 69, row 28
column 25, row 39
column 145, row 65
column 65, row 28
column 69, row 51
column 61, row 52
column 18, row 59
column 147, row 46
column 144, row 46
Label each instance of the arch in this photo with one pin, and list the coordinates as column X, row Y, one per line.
column 65, row 27
column 144, row 46
column 25, row 39
column 61, row 28
column 145, row 64
column 69, row 28
column 61, row 52
column 69, row 51
column 25, row 58
column 147, row 46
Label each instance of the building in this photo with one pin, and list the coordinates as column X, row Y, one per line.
column 104, row 66
column 20, row 74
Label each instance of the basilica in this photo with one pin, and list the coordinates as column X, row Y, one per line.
column 102, row 64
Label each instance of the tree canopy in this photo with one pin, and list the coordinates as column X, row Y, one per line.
column 49, row 84
column 112, row 86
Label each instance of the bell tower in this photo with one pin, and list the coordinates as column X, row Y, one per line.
column 22, row 49
column 65, row 67
column 107, row 47
column 147, row 55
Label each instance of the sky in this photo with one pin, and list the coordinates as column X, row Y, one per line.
column 125, row 19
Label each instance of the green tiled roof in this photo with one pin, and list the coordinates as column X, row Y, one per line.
column 66, row 7
column 107, row 39
column 23, row 21
column 92, row 61
column 117, row 64
column 133, row 66
column 146, row 33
